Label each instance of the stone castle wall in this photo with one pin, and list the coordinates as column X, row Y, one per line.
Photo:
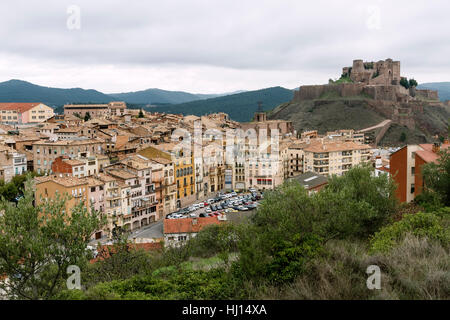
column 428, row 94
column 316, row 91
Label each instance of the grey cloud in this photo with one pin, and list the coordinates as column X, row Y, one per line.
column 307, row 36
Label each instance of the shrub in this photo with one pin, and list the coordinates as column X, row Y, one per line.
column 289, row 257
column 420, row 224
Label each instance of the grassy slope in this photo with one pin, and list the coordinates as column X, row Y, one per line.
column 331, row 115
column 352, row 113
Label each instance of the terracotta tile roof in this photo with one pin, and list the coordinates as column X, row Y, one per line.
column 121, row 173
column 19, row 106
column 188, row 225
column 74, row 162
column 335, row 146
column 67, row 181
column 106, row 249
column 427, row 156
column 427, row 153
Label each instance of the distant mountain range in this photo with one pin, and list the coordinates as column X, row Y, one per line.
column 22, row 91
column 240, row 106
column 442, row 87
column 158, row 96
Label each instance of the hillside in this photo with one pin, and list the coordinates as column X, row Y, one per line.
column 158, row 96
column 327, row 115
column 356, row 113
column 442, row 87
column 239, row 106
column 22, row 91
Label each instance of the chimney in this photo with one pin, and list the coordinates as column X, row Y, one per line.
column 436, row 147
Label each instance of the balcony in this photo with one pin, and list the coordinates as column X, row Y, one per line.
column 321, row 163
column 321, row 156
column 347, row 153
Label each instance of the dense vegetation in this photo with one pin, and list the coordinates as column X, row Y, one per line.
column 22, row 91
column 296, row 246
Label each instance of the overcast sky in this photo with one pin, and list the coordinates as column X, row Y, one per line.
column 215, row 46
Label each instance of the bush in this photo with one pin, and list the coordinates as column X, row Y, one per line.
column 169, row 284
column 417, row 268
column 421, row 225
column 289, row 257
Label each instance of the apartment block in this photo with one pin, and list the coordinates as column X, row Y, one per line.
column 328, row 158
column 45, row 152
column 23, row 113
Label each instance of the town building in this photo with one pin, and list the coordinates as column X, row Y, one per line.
column 311, row 181
column 23, row 113
column 406, row 168
column 178, row 231
column 328, row 158
column 45, row 152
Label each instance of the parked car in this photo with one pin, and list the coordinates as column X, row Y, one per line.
column 201, row 205
column 242, row 208
column 208, row 210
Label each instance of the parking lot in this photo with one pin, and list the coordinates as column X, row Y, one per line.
column 223, row 203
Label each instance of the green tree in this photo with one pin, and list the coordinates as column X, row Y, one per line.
column 402, row 137
column 413, row 83
column 141, row 114
column 436, row 177
column 357, row 204
column 118, row 261
column 38, row 243
column 404, row 82
column 87, row 116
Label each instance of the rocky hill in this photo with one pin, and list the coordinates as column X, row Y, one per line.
column 367, row 94
column 359, row 112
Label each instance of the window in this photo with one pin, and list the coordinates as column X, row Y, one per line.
column 412, row 188
column 413, row 170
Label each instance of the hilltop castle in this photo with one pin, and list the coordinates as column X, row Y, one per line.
column 380, row 84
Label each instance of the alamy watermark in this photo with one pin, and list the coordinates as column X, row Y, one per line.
column 374, row 280
column 74, row 280
column 74, row 19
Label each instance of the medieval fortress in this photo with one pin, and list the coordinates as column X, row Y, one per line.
column 378, row 84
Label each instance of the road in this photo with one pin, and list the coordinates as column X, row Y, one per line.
column 154, row 230
column 381, row 124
